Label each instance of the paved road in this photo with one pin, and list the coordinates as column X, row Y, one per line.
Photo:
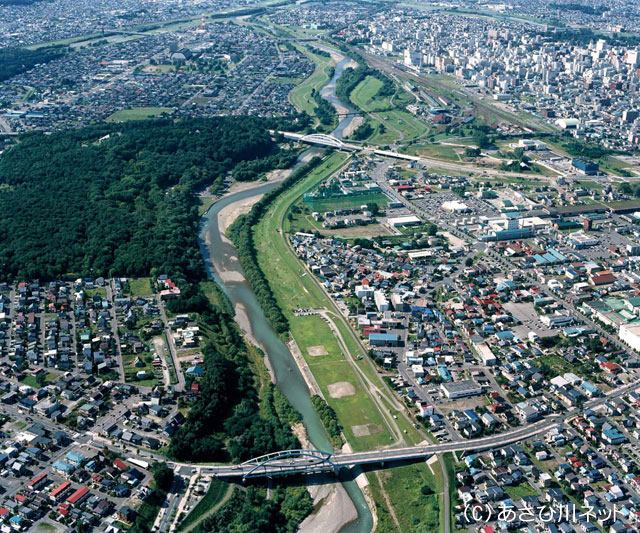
column 445, row 495
column 429, row 161
column 304, row 464
column 172, row 347
column 114, row 329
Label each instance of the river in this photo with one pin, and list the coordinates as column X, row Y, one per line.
column 223, row 266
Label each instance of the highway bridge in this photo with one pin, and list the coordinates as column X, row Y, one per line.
column 289, row 462
column 322, row 139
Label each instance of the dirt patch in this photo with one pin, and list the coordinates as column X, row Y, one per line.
column 353, row 126
column 341, row 389
column 462, row 404
column 365, row 430
column 315, row 351
column 370, row 230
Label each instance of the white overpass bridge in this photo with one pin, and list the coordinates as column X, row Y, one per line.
column 323, row 139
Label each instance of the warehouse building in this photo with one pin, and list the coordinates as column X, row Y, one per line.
column 630, row 334
column 460, row 389
column 584, row 166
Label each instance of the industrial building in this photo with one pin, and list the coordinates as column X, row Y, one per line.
column 630, row 334
column 455, row 207
column 486, row 354
column 584, row 166
column 580, row 239
column 399, row 222
column 460, row 389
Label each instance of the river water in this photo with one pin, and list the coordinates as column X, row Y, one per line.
column 218, row 252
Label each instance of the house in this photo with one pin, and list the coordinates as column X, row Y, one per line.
column 126, row 514
column 63, row 468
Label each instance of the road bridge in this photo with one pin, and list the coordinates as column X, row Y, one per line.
column 289, row 462
column 322, row 139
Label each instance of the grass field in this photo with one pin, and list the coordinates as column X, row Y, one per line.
column 300, row 96
column 204, row 203
column 414, row 510
column 294, row 289
column 162, row 69
column 31, row 381
column 517, row 492
column 140, row 286
column 436, row 151
column 130, row 370
column 364, row 95
column 399, row 124
column 329, row 204
column 214, row 495
column 312, row 330
column 138, row 113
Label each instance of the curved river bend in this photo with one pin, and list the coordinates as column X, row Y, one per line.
column 218, row 252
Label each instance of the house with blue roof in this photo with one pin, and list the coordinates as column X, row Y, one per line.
column 195, row 371
column 17, row 522
column 613, row 436
column 62, row 467
column 75, row 459
column 590, row 389
column 444, row 373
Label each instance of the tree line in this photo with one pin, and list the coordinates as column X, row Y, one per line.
column 16, row 60
column 329, row 420
column 120, row 198
column 235, row 416
column 241, row 233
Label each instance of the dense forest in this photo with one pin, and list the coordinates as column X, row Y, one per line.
column 241, row 233
column 590, row 151
column 588, row 10
column 232, row 419
column 630, row 189
column 363, row 131
column 324, row 110
column 583, row 36
column 118, row 199
column 17, row 60
column 251, row 511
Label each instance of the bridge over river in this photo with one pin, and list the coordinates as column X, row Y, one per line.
column 290, row 462
column 322, row 139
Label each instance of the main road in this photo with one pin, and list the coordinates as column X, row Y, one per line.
column 306, row 462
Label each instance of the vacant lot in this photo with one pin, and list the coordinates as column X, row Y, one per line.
column 329, row 204
column 138, row 113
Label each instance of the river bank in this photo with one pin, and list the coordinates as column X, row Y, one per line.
column 333, row 508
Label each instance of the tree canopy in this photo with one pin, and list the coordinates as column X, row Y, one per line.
column 118, row 199
column 17, row 60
